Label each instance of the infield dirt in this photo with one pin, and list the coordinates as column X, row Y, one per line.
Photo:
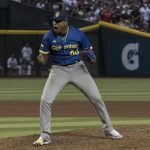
column 136, row 137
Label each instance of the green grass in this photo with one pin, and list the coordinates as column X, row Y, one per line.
column 21, row 126
column 112, row 89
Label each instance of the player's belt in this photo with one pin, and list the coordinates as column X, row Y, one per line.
column 72, row 63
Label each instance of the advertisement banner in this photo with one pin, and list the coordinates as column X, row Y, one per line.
column 125, row 54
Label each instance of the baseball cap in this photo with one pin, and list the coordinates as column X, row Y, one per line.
column 60, row 16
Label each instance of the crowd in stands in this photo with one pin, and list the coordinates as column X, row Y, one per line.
column 129, row 13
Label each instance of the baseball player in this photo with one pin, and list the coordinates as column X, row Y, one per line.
column 66, row 44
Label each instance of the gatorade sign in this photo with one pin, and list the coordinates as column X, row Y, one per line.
column 130, row 56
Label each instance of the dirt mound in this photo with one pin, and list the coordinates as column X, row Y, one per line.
column 135, row 138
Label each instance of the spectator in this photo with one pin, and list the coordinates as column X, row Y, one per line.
column 19, row 1
column 145, row 16
column 56, row 7
column 124, row 22
column 135, row 16
column 104, row 10
column 26, row 59
column 12, row 65
column 67, row 2
column 106, row 14
column 40, row 4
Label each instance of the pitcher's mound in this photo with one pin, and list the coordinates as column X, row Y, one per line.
column 135, row 137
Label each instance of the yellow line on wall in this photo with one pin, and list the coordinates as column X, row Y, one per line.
column 23, row 32
column 125, row 29
column 85, row 29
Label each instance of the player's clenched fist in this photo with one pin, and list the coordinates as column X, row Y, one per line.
column 42, row 58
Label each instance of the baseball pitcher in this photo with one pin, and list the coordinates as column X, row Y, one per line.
column 67, row 45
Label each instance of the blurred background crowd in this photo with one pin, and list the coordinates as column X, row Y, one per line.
column 129, row 13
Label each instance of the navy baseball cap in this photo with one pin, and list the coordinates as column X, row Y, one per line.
column 60, row 16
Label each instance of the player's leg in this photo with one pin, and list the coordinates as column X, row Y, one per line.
column 86, row 84
column 83, row 80
column 55, row 82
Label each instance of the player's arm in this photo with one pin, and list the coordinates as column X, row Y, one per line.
column 87, row 52
column 44, row 50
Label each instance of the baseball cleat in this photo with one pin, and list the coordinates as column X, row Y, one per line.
column 41, row 141
column 113, row 134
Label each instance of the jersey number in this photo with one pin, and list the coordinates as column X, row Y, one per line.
column 72, row 53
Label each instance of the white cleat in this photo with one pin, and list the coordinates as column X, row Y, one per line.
column 113, row 134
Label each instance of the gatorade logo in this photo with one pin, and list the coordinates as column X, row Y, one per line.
column 130, row 56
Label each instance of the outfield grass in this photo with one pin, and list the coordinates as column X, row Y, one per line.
column 20, row 126
column 112, row 89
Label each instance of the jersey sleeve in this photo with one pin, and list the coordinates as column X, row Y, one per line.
column 45, row 44
column 85, row 43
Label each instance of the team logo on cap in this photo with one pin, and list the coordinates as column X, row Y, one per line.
column 57, row 14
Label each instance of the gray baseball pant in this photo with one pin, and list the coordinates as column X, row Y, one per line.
column 78, row 75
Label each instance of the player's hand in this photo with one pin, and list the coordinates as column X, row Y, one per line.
column 42, row 58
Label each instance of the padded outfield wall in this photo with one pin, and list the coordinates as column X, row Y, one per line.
column 120, row 51
column 126, row 52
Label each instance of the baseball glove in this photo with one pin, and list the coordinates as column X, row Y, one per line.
column 88, row 56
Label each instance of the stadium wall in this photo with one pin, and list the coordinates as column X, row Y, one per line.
column 16, row 17
column 120, row 51
column 125, row 51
